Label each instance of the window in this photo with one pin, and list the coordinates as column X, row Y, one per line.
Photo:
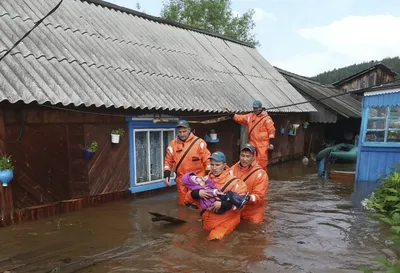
column 150, row 146
column 383, row 125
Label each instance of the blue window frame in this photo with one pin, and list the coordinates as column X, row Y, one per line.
column 382, row 126
column 148, row 142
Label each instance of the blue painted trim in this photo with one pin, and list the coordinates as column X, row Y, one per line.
column 363, row 126
column 131, row 156
column 379, row 149
column 391, row 99
column 150, row 186
column 374, row 147
column 381, row 144
column 143, row 124
column 387, row 125
column 148, row 124
column 364, row 130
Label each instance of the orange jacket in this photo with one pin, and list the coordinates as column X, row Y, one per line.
column 197, row 159
column 257, row 183
column 262, row 132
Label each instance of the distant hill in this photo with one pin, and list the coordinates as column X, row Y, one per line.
column 334, row 75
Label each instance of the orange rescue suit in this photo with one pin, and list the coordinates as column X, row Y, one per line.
column 196, row 160
column 257, row 185
column 261, row 129
column 221, row 225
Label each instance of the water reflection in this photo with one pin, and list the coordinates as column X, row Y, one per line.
column 311, row 225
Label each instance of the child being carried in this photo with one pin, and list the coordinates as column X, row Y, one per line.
column 194, row 182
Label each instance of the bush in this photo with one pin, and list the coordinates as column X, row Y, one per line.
column 386, row 198
column 385, row 202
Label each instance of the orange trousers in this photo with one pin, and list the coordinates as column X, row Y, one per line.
column 262, row 157
column 253, row 214
column 219, row 225
column 181, row 189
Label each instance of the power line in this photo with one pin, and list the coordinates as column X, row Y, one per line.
column 8, row 52
column 35, row 26
column 202, row 115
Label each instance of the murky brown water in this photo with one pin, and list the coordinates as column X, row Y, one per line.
column 311, row 225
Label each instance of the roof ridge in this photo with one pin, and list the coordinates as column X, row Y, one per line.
column 164, row 21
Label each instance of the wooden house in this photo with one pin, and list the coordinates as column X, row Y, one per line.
column 338, row 115
column 373, row 76
column 92, row 67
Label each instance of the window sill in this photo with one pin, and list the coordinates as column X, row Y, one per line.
column 150, row 186
column 381, row 145
column 138, row 184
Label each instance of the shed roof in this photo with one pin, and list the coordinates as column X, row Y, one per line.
column 93, row 53
column 324, row 114
column 362, row 72
column 344, row 105
column 382, row 95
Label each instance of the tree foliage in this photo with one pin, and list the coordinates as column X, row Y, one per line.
column 337, row 74
column 212, row 15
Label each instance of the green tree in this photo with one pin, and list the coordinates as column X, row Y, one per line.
column 139, row 7
column 212, row 15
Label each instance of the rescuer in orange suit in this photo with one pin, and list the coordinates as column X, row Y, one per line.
column 186, row 153
column 261, row 131
column 256, row 179
column 219, row 225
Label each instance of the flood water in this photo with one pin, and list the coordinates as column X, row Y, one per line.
column 311, row 225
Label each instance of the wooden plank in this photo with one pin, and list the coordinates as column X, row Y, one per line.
column 41, row 165
column 3, row 145
column 2, row 207
column 109, row 168
column 78, row 169
column 65, row 206
column 50, row 116
column 9, row 204
column 6, row 200
column 348, row 176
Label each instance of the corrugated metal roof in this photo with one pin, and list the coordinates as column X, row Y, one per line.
column 381, row 92
column 345, row 105
column 324, row 115
column 382, row 100
column 98, row 54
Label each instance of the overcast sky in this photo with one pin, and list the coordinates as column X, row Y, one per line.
column 308, row 37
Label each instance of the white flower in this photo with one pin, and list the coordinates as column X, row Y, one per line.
column 364, row 203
